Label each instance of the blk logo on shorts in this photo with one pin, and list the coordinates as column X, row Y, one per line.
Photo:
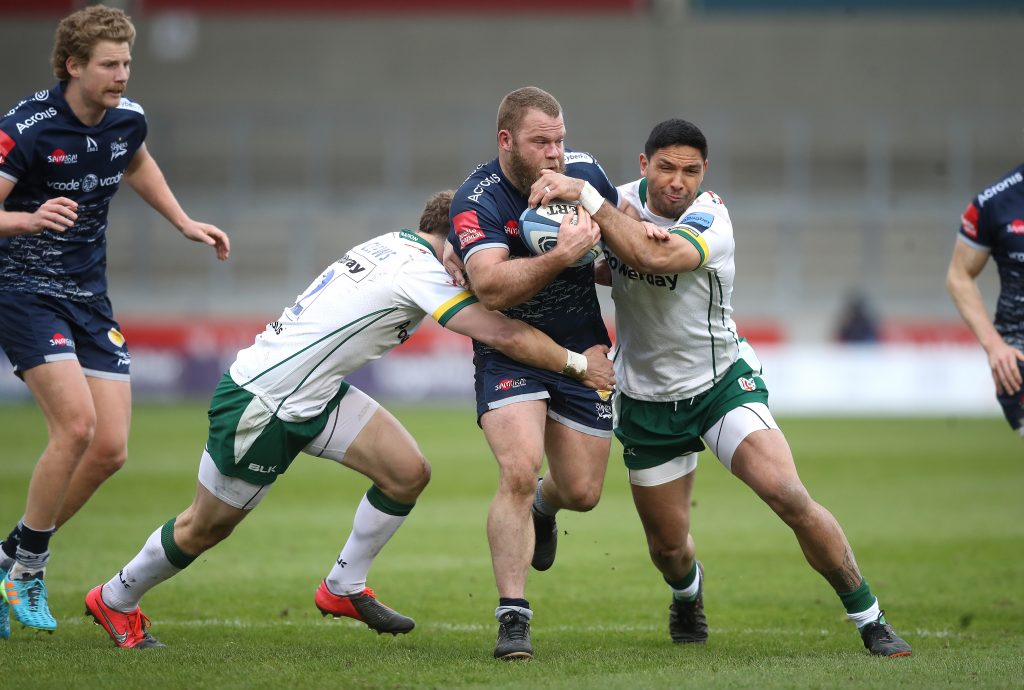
column 61, row 340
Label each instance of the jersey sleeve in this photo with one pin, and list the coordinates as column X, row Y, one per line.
column 475, row 225
column 974, row 231
column 425, row 284
column 15, row 148
column 707, row 226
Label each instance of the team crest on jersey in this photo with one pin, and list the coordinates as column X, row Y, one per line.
column 118, row 149
column 747, row 384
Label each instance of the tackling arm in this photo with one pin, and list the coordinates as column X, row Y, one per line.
column 961, row 281
column 643, row 246
column 526, row 344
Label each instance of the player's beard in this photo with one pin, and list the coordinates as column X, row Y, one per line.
column 522, row 174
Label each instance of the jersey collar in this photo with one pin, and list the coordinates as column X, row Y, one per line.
column 406, row 234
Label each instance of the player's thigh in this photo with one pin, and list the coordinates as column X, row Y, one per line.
column 113, row 402
column 62, row 393
column 515, row 434
column 576, row 459
column 764, row 462
column 387, row 453
column 664, row 510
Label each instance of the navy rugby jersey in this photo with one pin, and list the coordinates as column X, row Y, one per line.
column 47, row 152
column 994, row 222
column 485, row 214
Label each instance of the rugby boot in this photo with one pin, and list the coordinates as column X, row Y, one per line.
column 28, row 601
column 5, row 612
column 125, row 629
column 881, row 640
column 363, row 606
column 513, row 637
column 686, row 621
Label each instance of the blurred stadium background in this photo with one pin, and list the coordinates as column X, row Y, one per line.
column 846, row 138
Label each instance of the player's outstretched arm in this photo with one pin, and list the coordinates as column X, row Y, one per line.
column 961, row 281
column 58, row 214
column 146, row 178
column 526, row 344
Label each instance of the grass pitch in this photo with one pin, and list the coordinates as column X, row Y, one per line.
column 931, row 506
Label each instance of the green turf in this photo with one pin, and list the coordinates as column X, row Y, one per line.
column 931, row 506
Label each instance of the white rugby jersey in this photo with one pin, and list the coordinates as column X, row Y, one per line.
column 364, row 304
column 675, row 332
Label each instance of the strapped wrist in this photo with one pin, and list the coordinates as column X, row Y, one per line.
column 575, row 365
column 590, row 198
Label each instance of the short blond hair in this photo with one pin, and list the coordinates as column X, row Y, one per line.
column 515, row 105
column 78, row 33
column 434, row 220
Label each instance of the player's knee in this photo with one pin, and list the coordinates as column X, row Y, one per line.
column 409, row 483
column 581, row 497
column 790, row 501
column 74, row 435
column 669, row 551
column 106, row 459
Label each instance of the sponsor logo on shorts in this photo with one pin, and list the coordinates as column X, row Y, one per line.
column 512, row 228
column 61, row 340
column 509, row 384
column 604, row 410
column 747, row 384
column 261, row 469
column 124, row 359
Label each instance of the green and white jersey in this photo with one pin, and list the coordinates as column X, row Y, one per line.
column 675, row 332
column 364, row 304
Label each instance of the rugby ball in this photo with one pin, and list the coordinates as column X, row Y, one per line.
column 539, row 229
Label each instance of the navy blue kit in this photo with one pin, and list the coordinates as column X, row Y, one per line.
column 53, row 285
column 485, row 214
column 994, row 222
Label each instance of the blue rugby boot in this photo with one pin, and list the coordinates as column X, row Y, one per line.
column 27, row 599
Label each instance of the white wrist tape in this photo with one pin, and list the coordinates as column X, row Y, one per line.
column 575, row 365
column 590, row 198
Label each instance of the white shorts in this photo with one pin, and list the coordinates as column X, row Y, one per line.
column 343, row 426
column 665, row 472
column 725, row 435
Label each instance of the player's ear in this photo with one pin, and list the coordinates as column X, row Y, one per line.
column 72, row 66
column 505, row 139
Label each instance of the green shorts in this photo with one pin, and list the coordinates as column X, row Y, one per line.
column 653, row 433
column 241, row 424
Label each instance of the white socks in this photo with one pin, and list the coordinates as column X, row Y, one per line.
column 371, row 530
column 149, row 568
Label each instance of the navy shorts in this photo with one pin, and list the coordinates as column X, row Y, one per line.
column 501, row 381
column 36, row 329
column 1013, row 404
